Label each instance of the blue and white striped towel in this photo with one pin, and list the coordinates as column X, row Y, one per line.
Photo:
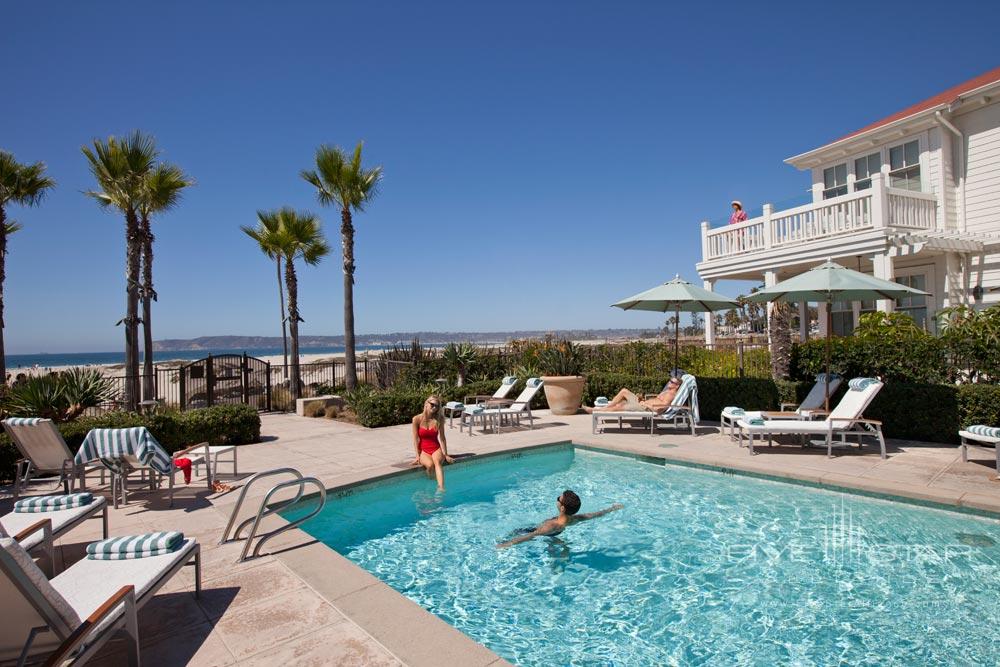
column 23, row 421
column 53, row 503
column 454, row 405
column 755, row 421
column 600, row 401
column 988, row 431
column 860, row 384
column 733, row 411
column 109, row 445
column 473, row 409
column 135, row 546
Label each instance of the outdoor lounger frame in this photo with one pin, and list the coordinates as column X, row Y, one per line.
column 33, row 529
column 844, row 420
column 811, row 407
column 988, row 444
column 682, row 410
column 43, row 450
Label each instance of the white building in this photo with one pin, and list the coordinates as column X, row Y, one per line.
column 914, row 197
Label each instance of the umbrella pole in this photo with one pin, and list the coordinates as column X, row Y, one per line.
column 677, row 326
column 826, row 377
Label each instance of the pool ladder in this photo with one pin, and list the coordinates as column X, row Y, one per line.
column 266, row 509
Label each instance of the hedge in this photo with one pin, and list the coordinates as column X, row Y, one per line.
column 919, row 360
column 221, row 424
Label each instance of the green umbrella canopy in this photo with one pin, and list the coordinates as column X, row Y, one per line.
column 832, row 282
column 677, row 295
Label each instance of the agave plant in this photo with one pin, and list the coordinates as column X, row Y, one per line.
column 60, row 396
column 561, row 358
column 458, row 357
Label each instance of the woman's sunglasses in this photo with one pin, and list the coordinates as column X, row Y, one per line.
column 433, row 405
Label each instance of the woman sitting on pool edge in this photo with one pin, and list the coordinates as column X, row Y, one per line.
column 429, row 443
column 568, row 504
column 627, row 401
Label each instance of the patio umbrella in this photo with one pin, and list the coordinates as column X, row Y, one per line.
column 679, row 296
column 831, row 282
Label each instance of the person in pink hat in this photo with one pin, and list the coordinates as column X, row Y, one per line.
column 739, row 215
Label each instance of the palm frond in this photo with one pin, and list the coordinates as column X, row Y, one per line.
column 11, row 226
column 24, row 184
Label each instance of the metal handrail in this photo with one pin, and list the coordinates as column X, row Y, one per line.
column 265, row 510
column 243, row 493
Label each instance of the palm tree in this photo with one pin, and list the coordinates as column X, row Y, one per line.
column 299, row 236
column 162, row 192
column 26, row 185
column 121, row 167
column 341, row 180
column 266, row 235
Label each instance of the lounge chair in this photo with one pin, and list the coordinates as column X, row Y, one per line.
column 811, row 407
column 28, row 529
column 520, row 406
column 43, row 450
column 68, row 618
column 845, row 419
column 988, row 439
column 452, row 408
column 683, row 409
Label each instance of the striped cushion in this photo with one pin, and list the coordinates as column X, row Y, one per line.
column 51, row 503
column 22, row 421
column 988, row 431
column 860, row 384
column 135, row 546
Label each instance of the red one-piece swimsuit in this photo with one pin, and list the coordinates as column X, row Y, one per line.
column 428, row 440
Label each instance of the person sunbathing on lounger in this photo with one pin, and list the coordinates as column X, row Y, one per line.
column 568, row 504
column 627, row 401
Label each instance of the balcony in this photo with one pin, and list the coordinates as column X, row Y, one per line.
column 775, row 232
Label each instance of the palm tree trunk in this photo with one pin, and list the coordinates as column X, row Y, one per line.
column 3, row 277
column 148, row 295
column 347, row 234
column 284, row 325
column 133, row 250
column 292, row 285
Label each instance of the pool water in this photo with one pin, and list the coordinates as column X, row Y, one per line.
column 700, row 567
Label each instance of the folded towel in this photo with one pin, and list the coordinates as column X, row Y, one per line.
column 755, row 421
column 508, row 380
column 733, row 411
column 53, row 503
column 454, row 405
column 534, row 382
column 988, row 431
column 601, row 401
column 473, row 409
column 135, row 546
column 860, row 384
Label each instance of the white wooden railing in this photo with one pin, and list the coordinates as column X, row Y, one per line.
column 876, row 207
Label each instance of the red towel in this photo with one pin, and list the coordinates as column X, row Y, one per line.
column 184, row 465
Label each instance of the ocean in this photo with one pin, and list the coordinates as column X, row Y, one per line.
column 45, row 360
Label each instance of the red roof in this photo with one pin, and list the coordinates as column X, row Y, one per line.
column 945, row 97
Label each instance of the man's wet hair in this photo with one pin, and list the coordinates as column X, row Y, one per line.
column 570, row 502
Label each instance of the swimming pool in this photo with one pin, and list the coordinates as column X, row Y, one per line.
column 700, row 567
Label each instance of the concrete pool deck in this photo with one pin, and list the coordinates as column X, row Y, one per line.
column 301, row 603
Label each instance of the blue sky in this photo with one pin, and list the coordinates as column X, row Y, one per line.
column 542, row 159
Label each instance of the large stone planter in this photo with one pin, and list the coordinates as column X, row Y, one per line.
column 564, row 393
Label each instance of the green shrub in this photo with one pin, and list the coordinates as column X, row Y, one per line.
column 917, row 361
column 220, row 425
column 979, row 404
column 61, row 396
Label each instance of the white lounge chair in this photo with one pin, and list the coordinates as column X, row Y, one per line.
column 811, row 407
column 845, row 419
column 520, row 406
column 29, row 528
column 985, row 438
column 452, row 408
column 210, row 456
column 683, row 409
column 66, row 619
column 43, row 450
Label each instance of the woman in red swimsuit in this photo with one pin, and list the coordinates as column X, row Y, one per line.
column 429, row 444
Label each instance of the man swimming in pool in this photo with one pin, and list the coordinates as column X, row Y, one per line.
column 568, row 505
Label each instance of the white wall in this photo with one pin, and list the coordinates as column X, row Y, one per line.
column 982, row 189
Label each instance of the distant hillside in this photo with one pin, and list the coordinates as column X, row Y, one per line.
column 426, row 337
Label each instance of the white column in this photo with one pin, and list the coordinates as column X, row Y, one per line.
column 953, row 279
column 824, row 321
column 803, row 321
column 768, row 237
column 770, row 279
column 709, row 317
column 883, row 264
column 880, row 202
column 705, row 226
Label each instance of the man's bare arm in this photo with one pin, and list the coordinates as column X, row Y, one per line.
column 594, row 515
column 520, row 538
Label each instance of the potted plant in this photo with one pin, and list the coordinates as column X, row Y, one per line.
column 562, row 362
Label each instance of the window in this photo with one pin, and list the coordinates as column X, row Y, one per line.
column 835, row 181
column 914, row 306
column 904, row 166
column 842, row 318
column 864, row 167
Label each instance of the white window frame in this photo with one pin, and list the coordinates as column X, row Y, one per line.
column 853, row 175
column 845, row 185
column 921, row 164
column 929, row 274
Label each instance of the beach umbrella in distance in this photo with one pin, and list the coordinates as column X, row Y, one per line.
column 831, row 282
column 677, row 296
